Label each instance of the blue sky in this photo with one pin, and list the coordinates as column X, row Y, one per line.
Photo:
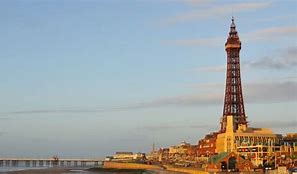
column 88, row 78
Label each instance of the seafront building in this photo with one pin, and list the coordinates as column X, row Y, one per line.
column 126, row 157
column 183, row 152
column 235, row 139
column 236, row 145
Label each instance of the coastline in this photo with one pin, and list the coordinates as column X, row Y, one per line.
column 184, row 170
column 159, row 169
column 94, row 170
column 40, row 171
column 115, row 167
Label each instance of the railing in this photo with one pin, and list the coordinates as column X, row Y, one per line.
column 27, row 162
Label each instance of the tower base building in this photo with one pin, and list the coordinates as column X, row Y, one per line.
column 256, row 144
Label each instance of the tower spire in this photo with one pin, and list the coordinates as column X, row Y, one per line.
column 233, row 102
column 232, row 27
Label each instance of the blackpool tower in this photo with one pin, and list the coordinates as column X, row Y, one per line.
column 233, row 102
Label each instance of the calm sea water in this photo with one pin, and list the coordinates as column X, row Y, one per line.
column 22, row 167
column 4, row 170
column 9, row 169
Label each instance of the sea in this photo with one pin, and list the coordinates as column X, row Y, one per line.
column 7, row 170
column 4, row 170
column 21, row 167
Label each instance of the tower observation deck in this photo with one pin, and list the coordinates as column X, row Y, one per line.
column 233, row 102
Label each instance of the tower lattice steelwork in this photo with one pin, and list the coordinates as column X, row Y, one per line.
column 233, row 104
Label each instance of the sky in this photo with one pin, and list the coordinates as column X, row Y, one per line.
column 86, row 78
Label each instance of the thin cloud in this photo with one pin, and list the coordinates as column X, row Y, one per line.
column 262, row 35
column 197, row 42
column 276, row 18
column 197, row 2
column 186, row 100
column 216, row 11
column 207, row 127
column 275, row 124
column 208, row 86
column 3, row 133
column 286, row 59
column 72, row 110
column 270, row 34
column 255, row 93
column 271, row 92
column 165, row 127
column 4, row 118
column 218, row 68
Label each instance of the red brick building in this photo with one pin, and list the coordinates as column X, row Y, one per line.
column 207, row 145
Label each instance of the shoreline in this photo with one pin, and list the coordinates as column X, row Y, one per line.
column 91, row 170
column 114, row 167
column 184, row 170
column 41, row 171
column 165, row 168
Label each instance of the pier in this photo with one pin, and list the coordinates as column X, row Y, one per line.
column 49, row 162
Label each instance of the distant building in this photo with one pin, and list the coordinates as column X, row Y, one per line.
column 163, row 155
column 182, row 152
column 128, row 156
column 179, row 149
column 139, row 156
column 123, row 155
column 207, row 145
column 108, row 158
column 289, row 145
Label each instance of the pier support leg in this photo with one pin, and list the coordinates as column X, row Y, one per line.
column 96, row 163
column 40, row 163
column 34, row 163
column 27, row 163
column 7, row 163
column 14, row 163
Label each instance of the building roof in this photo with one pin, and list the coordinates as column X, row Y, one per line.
column 124, row 153
column 221, row 156
column 216, row 158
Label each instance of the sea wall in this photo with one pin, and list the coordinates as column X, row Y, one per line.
column 184, row 170
column 118, row 165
